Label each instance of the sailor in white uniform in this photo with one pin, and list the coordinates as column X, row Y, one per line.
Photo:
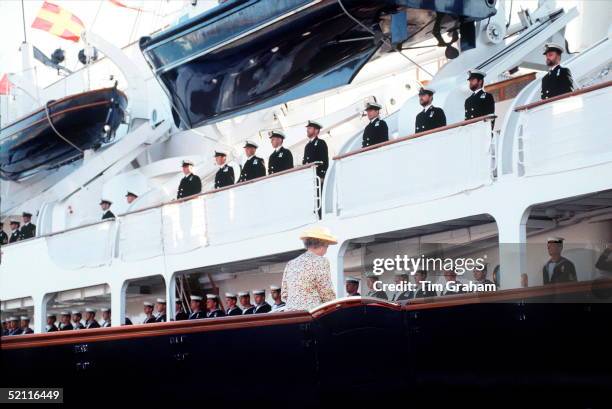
column 275, row 292
column 106, row 317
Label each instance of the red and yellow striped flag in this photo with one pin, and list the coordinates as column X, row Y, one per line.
column 59, row 22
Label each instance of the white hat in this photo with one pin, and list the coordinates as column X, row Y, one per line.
column 314, row 124
column 186, row 162
column 65, row 313
column 401, row 273
column 196, row 298
column 280, row 134
column 351, row 280
column 243, row 294
column 90, row 309
column 555, row 240
column 75, row 312
column 147, row 304
column 211, row 296
column 259, row 292
column 373, row 105
column 219, row 152
column 250, row 143
column 12, row 319
column 105, row 309
column 553, row 47
column 230, row 295
column 476, row 73
column 24, row 318
column 50, row 315
column 161, row 301
column 274, row 287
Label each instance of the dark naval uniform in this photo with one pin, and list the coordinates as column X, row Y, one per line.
column 190, row 185
column 262, row 308
column 316, row 151
column 420, row 293
column 224, row 176
column 278, row 306
column 78, row 326
column 197, row 315
column 253, row 168
column 430, row 118
column 181, row 316
column 15, row 236
column 563, row 272
column 28, row 231
column 67, row 327
column 28, row 330
column 107, row 324
column 16, row 331
column 556, row 82
column 478, row 104
column 453, row 292
column 377, row 294
column 215, row 314
column 161, row 318
column 280, row 160
column 149, row 320
column 249, row 310
column 375, row 132
column 604, row 262
column 3, row 237
column 108, row 215
column 92, row 324
column 233, row 311
column 52, row 328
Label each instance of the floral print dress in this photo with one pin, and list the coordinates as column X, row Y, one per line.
column 307, row 282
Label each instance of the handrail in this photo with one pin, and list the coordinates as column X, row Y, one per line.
column 175, row 201
column 563, row 96
column 155, row 329
column 519, row 79
column 416, row 135
column 288, row 317
column 222, row 189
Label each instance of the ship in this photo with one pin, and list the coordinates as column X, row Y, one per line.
column 493, row 187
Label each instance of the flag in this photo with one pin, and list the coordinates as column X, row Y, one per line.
column 5, row 85
column 59, row 22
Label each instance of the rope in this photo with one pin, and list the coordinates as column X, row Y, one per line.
column 384, row 39
column 56, row 131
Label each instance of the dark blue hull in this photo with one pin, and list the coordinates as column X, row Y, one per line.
column 250, row 54
column 544, row 345
column 30, row 144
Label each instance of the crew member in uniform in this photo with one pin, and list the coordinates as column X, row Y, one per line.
column 430, row 117
column 351, row 285
column 196, row 308
column 558, row 80
column 212, row 307
column 90, row 318
column 190, row 183
column 281, row 158
column 225, row 174
column 422, row 292
column 180, row 314
column 65, row 324
column 377, row 130
column 25, row 326
column 275, row 292
column 130, row 197
column 245, row 303
column 76, row 320
column 451, row 277
column 401, row 278
column 13, row 326
column 15, row 233
column 148, row 310
column 3, row 236
column 557, row 269
column 480, row 103
column 261, row 306
column 161, row 310
column 231, row 300
column 316, row 149
column 51, row 318
column 28, row 230
column 372, row 279
column 254, row 166
column 106, row 317
column 105, row 205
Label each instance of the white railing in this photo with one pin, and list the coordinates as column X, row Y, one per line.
column 565, row 133
column 418, row 168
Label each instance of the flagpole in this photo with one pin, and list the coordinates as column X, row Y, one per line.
column 25, row 38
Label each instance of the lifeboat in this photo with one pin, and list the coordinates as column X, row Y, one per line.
column 60, row 131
